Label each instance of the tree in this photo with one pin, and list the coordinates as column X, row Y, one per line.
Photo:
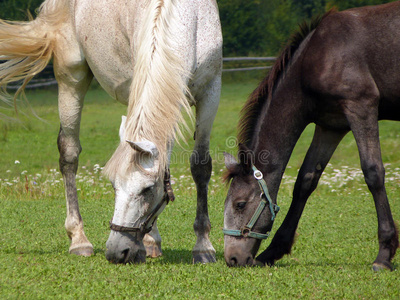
column 345, row 4
column 255, row 27
column 283, row 18
column 310, row 8
column 18, row 9
column 250, row 27
column 241, row 23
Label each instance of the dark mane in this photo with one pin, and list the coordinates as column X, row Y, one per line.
column 253, row 107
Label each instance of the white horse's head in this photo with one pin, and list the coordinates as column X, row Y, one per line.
column 139, row 199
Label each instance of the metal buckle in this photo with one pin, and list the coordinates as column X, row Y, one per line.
column 258, row 175
column 245, row 231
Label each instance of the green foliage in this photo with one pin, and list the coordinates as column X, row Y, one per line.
column 250, row 27
column 254, row 27
column 345, row 4
column 242, row 24
column 309, row 8
column 18, row 9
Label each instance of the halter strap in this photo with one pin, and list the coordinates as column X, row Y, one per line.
column 264, row 190
column 143, row 227
column 246, row 231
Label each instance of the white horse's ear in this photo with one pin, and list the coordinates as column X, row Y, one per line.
column 145, row 147
column 122, row 129
column 231, row 163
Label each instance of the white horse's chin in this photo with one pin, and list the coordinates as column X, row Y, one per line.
column 124, row 248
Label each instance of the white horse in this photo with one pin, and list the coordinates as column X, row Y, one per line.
column 159, row 57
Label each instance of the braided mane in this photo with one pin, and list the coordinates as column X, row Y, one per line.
column 158, row 91
column 252, row 109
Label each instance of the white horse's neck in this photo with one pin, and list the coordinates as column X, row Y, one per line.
column 159, row 85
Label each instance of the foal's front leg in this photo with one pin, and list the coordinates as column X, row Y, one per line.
column 322, row 147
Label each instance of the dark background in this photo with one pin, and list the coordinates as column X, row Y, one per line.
column 250, row 27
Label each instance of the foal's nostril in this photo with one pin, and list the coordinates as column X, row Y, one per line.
column 249, row 261
column 233, row 261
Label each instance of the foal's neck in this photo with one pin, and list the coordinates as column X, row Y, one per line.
column 281, row 123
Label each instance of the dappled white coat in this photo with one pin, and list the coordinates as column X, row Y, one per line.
column 156, row 56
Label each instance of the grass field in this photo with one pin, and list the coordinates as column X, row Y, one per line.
column 332, row 257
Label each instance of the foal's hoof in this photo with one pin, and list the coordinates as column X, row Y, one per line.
column 82, row 250
column 204, row 257
column 258, row 263
column 376, row 267
column 153, row 251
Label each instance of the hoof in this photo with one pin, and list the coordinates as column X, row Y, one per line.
column 82, row 250
column 377, row 267
column 258, row 263
column 153, row 251
column 204, row 257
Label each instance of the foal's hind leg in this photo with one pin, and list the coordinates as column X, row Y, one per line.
column 74, row 77
column 200, row 164
column 364, row 125
column 322, row 147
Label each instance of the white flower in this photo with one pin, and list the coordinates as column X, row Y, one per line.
column 17, row 162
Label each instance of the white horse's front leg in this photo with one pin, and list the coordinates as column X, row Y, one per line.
column 73, row 82
column 152, row 242
column 201, row 167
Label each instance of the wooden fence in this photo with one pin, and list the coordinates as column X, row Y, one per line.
column 42, row 80
column 46, row 77
column 246, row 59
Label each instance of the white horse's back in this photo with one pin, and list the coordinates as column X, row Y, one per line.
column 110, row 50
column 108, row 45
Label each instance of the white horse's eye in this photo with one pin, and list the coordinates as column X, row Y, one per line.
column 147, row 189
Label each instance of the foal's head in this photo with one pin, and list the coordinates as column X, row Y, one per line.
column 246, row 223
column 139, row 194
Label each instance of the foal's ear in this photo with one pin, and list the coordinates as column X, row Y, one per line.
column 231, row 163
column 122, row 129
column 246, row 157
column 145, row 147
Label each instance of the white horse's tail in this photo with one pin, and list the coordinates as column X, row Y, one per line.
column 27, row 47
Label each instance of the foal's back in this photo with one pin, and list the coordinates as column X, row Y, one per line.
column 354, row 55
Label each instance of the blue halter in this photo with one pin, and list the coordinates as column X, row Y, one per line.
column 246, row 231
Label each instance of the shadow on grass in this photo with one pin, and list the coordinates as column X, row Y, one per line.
column 170, row 256
column 339, row 266
column 179, row 256
column 27, row 252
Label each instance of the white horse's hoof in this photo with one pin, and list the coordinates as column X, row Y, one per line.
column 82, row 250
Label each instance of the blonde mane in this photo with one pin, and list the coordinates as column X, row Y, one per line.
column 158, row 92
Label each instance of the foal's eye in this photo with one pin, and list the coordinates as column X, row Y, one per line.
column 240, row 205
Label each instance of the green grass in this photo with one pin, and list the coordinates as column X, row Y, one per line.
column 332, row 257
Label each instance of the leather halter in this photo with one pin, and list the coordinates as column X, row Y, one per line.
column 144, row 226
column 246, row 231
